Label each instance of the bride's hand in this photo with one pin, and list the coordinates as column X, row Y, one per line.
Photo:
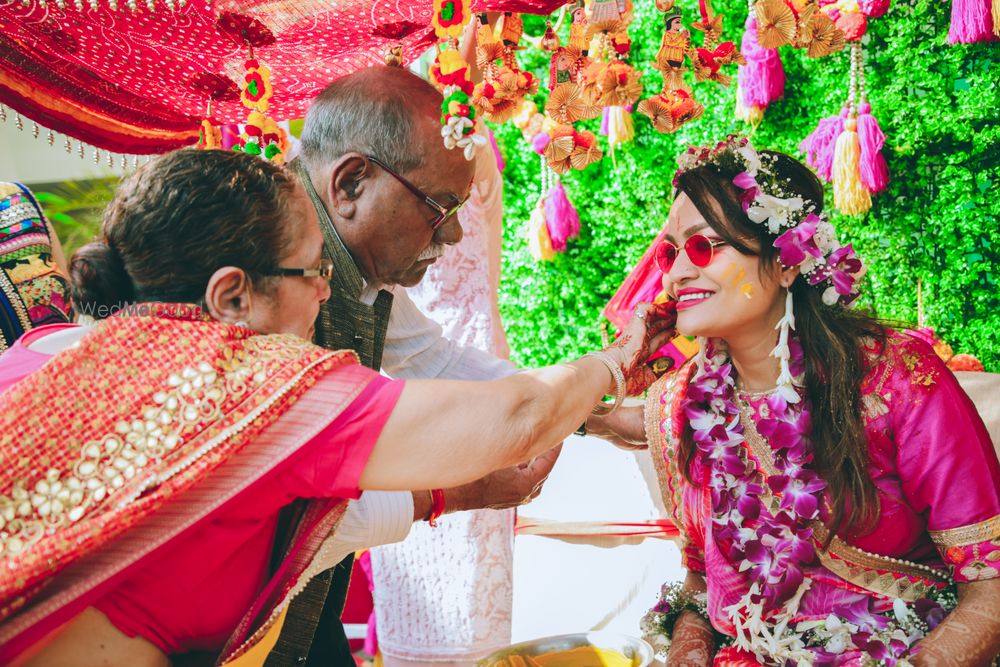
column 651, row 327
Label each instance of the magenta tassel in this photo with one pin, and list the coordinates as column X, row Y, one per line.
column 561, row 218
column 230, row 136
column 874, row 8
column 501, row 165
column 820, row 143
column 971, row 21
column 605, row 115
column 874, row 171
column 762, row 80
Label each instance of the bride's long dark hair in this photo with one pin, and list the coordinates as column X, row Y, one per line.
column 831, row 338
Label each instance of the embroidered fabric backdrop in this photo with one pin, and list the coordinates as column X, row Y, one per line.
column 139, row 81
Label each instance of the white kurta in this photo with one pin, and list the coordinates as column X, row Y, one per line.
column 444, row 595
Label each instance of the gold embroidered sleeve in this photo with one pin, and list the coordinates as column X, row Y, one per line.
column 966, row 535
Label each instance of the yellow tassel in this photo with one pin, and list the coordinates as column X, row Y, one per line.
column 539, row 243
column 996, row 17
column 621, row 129
column 849, row 195
column 752, row 114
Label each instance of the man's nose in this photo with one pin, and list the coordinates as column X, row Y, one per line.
column 450, row 232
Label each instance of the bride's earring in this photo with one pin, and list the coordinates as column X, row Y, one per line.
column 786, row 387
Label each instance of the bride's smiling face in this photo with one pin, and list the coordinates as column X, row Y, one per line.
column 727, row 296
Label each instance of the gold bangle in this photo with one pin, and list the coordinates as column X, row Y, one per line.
column 603, row 408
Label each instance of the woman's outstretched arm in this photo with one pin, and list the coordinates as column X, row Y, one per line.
column 445, row 433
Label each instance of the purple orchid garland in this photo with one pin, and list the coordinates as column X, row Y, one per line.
column 775, row 549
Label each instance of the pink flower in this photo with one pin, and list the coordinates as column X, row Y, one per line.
column 799, row 242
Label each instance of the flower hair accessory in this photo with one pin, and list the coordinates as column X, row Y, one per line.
column 805, row 238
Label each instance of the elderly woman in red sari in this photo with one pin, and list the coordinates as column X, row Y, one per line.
column 143, row 468
column 837, row 493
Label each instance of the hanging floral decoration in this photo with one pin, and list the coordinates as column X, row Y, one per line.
column 799, row 23
column 674, row 105
column 504, row 85
column 761, row 80
column 609, row 80
column 554, row 220
column 209, row 135
column 847, row 149
column 261, row 134
column 451, row 73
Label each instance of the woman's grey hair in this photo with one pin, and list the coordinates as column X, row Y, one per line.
column 371, row 111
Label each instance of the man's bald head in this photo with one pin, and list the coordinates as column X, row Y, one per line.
column 382, row 111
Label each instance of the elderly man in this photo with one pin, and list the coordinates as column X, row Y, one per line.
column 387, row 193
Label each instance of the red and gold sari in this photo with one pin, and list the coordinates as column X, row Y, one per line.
column 152, row 423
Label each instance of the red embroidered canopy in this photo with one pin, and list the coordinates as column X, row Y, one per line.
column 139, row 81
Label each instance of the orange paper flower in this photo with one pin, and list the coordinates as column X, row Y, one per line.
column 566, row 104
column 776, row 25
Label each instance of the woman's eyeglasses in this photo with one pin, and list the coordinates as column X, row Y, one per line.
column 443, row 213
column 700, row 250
column 325, row 271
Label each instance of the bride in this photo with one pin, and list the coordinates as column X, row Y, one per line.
column 837, row 494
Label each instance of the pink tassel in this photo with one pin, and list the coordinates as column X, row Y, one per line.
column 561, row 218
column 230, row 136
column 874, row 8
column 874, row 171
column 971, row 21
column 762, row 80
column 501, row 165
column 819, row 145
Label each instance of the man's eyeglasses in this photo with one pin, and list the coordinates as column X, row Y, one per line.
column 325, row 271
column 443, row 213
column 700, row 250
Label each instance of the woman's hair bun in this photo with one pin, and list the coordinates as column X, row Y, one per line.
column 100, row 284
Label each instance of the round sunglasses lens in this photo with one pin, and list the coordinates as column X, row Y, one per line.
column 666, row 253
column 699, row 250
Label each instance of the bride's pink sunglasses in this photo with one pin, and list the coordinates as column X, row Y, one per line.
column 700, row 250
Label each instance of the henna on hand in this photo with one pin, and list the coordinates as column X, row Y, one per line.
column 970, row 635
column 652, row 326
column 692, row 643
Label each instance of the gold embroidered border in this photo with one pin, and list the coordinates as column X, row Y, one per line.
column 14, row 296
column 665, row 472
column 965, row 535
column 854, row 564
column 651, row 415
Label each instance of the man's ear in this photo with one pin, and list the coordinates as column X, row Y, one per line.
column 347, row 182
column 227, row 296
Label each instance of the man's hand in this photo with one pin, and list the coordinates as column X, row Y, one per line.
column 624, row 428
column 505, row 488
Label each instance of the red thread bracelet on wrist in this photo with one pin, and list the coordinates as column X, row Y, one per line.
column 437, row 506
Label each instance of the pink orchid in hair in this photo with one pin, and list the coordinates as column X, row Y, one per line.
column 799, row 242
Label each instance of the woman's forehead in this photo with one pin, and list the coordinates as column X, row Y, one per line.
column 683, row 215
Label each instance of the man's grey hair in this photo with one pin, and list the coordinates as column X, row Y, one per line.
column 371, row 111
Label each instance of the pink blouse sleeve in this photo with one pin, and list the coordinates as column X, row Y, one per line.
column 946, row 461
column 331, row 464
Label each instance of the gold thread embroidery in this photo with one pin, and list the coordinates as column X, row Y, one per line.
column 107, row 463
column 966, row 535
column 14, row 297
column 659, row 408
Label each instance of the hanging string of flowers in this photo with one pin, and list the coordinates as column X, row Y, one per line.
column 451, row 73
column 847, row 149
column 503, row 89
column 675, row 104
column 261, row 134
